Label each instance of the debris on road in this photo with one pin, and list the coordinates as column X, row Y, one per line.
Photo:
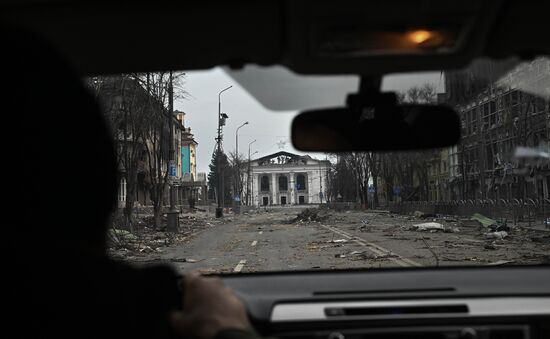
column 496, row 235
column 422, row 215
column 492, row 224
column 189, row 260
column 337, row 241
column 311, row 215
column 483, row 220
column 428, row 226
column 490, row 246
column 368, row 255
column 118, row 234
column 315, row 231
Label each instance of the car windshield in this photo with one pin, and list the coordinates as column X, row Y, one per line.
column 209, row 179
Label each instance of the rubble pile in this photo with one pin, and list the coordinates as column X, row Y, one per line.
column 311, row 215
column 144, row 242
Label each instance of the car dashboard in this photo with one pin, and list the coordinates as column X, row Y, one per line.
column 480, row 302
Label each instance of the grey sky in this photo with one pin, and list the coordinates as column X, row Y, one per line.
column 276, row 88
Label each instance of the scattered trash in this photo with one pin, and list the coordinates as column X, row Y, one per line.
column 365, row 222
column 450, row 229
column 428, row 226
column 146, row 249
column 423, row 215
column 496, row 235
column 490, row 246
column 492, row 224
column 311, row 214
column 485, row 221
column 336, row 241
column 184, row 260
column 368, row 255
column 121, row 233
column 499, row 227
column 339, row 255
column 363, row 228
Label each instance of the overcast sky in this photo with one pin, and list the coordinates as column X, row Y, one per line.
column 277, row 89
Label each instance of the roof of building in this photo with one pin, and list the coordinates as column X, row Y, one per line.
column 293, row 157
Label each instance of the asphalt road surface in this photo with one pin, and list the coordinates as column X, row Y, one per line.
column 274, row 241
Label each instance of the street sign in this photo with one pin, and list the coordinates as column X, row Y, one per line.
column 371, row 189
column 397, row 190
column 237, row 198
column 172, row 169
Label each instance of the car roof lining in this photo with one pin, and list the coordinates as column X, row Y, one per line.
column 119, row 36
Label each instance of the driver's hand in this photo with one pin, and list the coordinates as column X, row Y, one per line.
column 209, row 307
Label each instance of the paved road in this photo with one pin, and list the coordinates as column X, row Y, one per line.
column 269, row 241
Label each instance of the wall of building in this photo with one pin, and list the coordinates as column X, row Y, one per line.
column 315, row 179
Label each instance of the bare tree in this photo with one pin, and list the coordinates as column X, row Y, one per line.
column 358, row 162
column 156, row 136
column 135, row 106
column 124, row 105
column 237, row 168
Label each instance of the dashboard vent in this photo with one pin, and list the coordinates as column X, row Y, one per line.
column 395, row 310
column 387, row 291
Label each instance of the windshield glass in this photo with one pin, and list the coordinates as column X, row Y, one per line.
column 209, row 180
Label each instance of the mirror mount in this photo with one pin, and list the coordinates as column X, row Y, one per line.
column 369, row 101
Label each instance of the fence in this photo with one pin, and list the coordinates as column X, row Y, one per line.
column 516, row 210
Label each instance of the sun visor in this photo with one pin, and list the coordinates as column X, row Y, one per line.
column 279, row 89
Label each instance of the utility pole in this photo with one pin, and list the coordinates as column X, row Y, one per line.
column 172, row 216
column 248, row 179
column 238, row 183
column 219, row 209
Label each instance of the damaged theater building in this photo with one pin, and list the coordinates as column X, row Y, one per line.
column 502, row 106
column 284, row 178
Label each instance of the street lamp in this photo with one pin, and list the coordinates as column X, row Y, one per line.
column 248, row 187
column 219, row 210
column 238, row 183
column 172, row 216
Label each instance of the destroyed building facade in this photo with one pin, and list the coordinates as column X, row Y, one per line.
column 284, row 178
column 501, row 106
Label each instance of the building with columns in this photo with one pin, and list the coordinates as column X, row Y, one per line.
column 285, row 178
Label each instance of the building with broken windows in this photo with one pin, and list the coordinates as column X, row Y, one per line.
column 507, row 106
column 285, row 178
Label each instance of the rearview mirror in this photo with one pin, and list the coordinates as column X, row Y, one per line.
column 384, row 128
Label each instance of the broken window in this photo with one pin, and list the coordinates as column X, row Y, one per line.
column 301, row 182
column 283, row 183
column 264, row 183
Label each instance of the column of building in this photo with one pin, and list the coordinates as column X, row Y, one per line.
column 309, row 187
column 274, row 189
column 291, row 188
column 254, row 188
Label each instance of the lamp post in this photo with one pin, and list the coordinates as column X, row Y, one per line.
column 172, row 216
column 219, row 210
column 248, row 187
column 238, row 183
